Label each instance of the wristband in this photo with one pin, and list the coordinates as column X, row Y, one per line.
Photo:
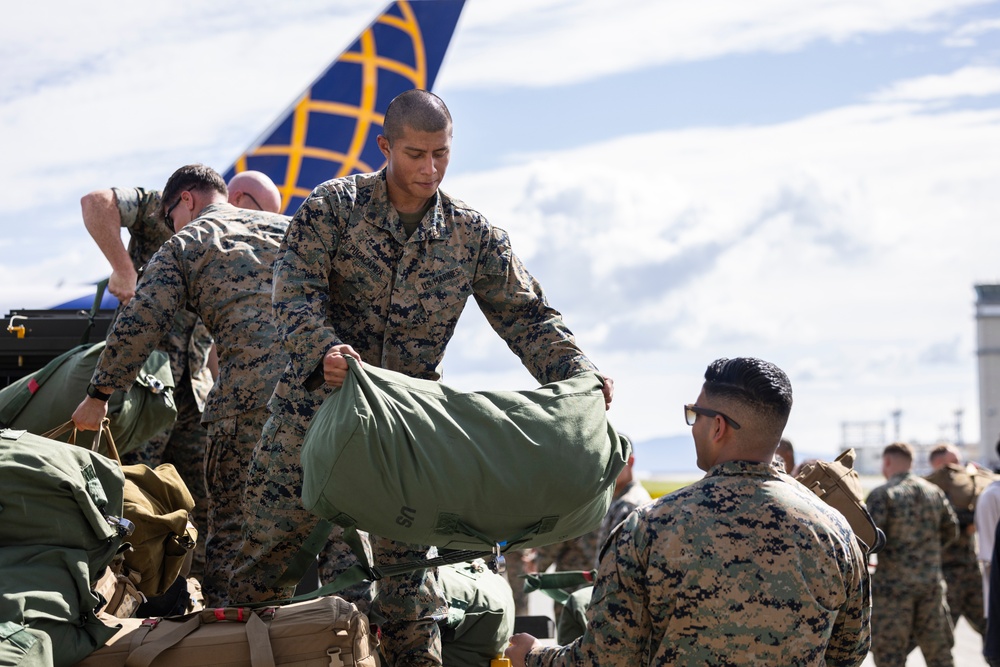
column 94, row 392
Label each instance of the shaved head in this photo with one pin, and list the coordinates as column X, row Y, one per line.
column 254, row 190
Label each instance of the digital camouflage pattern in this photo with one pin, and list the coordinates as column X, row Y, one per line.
column 959, row 562
column 348, row 273
column 633, row 495
column 908, row 585
column 744, row 567
column 186, row 343
column 219, row 266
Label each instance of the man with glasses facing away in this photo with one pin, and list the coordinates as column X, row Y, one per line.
column 186, row 341
column 744, row 567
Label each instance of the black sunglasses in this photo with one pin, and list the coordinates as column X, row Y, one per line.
column 692, row 411
column 170, row 210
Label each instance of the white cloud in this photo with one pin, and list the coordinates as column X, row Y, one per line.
column 968, row 34
column 965, row 82
column 843, row 246
column 548, row 42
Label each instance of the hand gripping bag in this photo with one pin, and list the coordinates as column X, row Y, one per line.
column 420, row 462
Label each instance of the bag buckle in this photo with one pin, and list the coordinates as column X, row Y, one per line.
column 156, row 386
column 121, row 524
column 498, row 564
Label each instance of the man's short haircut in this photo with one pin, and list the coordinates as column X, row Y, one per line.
column 195, row 177
column 419, row 109
column 759, row 385
column 941, row 450
column 899, row 450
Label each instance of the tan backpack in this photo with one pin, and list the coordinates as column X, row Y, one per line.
column 962, row 485
column 838, row 485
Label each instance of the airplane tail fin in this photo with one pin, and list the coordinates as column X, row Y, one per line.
column 331, row 129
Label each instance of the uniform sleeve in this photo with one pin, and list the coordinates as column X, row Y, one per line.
column 141, row 324
column 517, row 309
column 618, row 624
column 852, row 637
column 302, row 288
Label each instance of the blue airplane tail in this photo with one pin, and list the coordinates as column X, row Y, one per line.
column 331, row 130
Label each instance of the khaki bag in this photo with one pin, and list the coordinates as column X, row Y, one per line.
column 326, row 632
column 159, row 504
column 838, row 485
column 962, row 485
column 462, row 470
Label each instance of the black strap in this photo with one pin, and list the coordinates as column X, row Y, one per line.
column 98, row 297
column 362, row 571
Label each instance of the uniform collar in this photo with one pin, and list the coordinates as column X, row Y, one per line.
column 380, row 213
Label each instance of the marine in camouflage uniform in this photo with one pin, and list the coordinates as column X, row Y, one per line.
column 350, row 273
column 219, row 266
column 908, row 587
column 959, row 562
column 187, row 344
column 744, row 567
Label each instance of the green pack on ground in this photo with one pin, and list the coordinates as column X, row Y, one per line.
column 60, row 526
column 47, row 398
column 480, row 614
column 420, row 462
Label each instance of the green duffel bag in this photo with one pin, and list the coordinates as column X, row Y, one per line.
column 62, row 496
column 419, row 462
column 480, row 614
column 48, row 397
column 47, row 590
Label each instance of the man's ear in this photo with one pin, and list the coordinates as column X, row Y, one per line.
column 383, row 145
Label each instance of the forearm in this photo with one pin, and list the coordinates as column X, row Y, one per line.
column 103, row 223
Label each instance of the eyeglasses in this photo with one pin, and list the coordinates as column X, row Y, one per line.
column 692, row 411
column 247, row 194
column 166, row 215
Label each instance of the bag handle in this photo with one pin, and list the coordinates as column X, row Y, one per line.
column 105, row 431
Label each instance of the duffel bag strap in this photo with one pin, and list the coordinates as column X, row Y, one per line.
column 105, row 431
column 261, row 654
column 553, row 584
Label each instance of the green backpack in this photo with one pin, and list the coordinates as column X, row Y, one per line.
column 480, row 614
column 47, row 398
column 419, row 462
column 60, row 526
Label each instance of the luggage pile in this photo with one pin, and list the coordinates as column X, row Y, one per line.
column 85, row 541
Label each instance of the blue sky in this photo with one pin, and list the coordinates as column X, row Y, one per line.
column 814, row 183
